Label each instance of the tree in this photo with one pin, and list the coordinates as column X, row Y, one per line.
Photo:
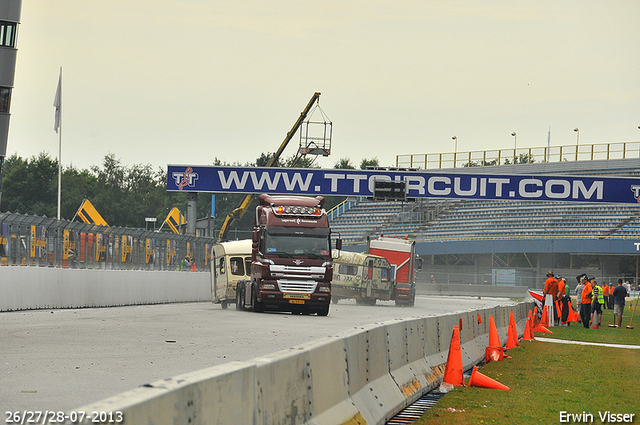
column 373, row 162
column 30, row 186
column 344, row 164
column 523, row 158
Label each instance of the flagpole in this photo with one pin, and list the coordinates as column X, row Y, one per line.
column 59, row 142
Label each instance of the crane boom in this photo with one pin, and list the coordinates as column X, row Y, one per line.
column 237, row 213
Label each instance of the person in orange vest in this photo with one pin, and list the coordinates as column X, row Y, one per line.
column 585, row 303
column 605, row 294
column 610, row 301
column 550, row 288
column 563, row 300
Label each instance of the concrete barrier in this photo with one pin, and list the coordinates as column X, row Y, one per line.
column 32, row 288
column 468, row 290
column 362, row 376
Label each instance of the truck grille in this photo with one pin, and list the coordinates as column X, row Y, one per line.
column 294, row 273
column 297, row 286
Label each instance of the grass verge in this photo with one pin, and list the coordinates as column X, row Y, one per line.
column 548, row 378
column 576, row 332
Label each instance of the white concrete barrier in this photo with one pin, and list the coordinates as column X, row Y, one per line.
column 363, row 376
column 32, row 288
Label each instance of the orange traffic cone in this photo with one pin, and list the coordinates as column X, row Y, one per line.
column 533, row 338
column 493, row 354
column 494, row 351
column 453, row 375
column 544, row 321
column 494, row 338
column 483, row 381
column 527, row 331
column 542, row 329
column 512, row 333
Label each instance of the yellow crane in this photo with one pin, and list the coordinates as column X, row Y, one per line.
column 273, row 162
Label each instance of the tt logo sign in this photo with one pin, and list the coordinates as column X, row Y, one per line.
column 188, row 178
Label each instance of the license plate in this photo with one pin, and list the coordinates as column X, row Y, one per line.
column 297, row 296
column 296, row 301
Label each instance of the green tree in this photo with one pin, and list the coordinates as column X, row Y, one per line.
column 344, row 164
column 30, row 186
column 373, row 162
column 77, row 185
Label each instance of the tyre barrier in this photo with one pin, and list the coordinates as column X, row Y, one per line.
column 362, row 376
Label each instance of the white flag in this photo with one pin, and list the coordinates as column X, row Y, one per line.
column 56, row 103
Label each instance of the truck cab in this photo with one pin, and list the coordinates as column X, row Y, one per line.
column 291, row 268
column 405, row 263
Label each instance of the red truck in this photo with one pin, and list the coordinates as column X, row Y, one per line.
column 401, row 253
column 291, row 264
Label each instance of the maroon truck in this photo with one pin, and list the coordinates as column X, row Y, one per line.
column 291, row 268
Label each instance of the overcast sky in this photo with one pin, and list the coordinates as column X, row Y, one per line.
column 184, row 82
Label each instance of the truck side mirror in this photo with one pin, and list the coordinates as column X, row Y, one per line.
column 338, row 244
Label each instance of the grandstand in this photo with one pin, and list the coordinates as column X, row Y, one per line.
column 477, row 232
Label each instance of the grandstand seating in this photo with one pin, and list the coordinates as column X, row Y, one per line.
column 429, row 220
column 488, row 219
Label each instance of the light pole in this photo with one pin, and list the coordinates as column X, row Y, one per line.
column 455, row 150
column 515, row 146
column 577, row 130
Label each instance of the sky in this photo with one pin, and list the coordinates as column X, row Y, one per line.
column 185, row 82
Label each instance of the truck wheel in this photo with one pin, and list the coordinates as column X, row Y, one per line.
column 324, row 311
column 223, row 303
column 335, row 300
column 255, row 305
column 240, row 297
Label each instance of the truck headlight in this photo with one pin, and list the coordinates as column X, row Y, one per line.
column 324, row 289
column 270, row 286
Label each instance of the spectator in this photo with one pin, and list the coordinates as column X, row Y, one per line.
column 596, row 304
column 619, row 294
column 564, row 298
column 585, row 303
column 610, row 300
column 581, row 280
column 550, row 288
column 605, row 294
column 186, row 263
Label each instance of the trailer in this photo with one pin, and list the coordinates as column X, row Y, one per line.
column 230, row 263
column 363, row 277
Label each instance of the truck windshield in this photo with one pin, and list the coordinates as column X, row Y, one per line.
column 311, row 246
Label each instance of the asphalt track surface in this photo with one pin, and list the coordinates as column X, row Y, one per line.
column 58, row 360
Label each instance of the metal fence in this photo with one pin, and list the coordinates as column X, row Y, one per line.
column 28, row 240
column 601, row 151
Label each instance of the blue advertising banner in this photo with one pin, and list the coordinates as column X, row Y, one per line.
column 420, row 184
